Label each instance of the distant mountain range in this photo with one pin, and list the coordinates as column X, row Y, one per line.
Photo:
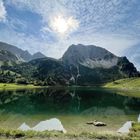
column 80, row 65
column 19, row 53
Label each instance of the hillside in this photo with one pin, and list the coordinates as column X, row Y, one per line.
column 128, row 83
column 95, row 65
column 45, row 71
column 80, row 65
column 127, row 87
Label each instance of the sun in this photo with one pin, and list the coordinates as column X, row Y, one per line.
column 64, row 25
column 60, row 24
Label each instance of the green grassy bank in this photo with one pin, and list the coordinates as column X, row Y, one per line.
column 32, row 135
column 125, row 84
column 125, row 87
column 12, row 86
column 128, row 84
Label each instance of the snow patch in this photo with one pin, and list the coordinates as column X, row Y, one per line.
column 100, row 63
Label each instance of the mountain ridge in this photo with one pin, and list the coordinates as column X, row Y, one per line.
column 89, row 55
column 21, row 54
column 75, row 69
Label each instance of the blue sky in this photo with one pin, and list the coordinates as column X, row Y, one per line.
column 32, row 25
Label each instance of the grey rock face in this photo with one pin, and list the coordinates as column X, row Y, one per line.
column 90, row 56
column 7, row 58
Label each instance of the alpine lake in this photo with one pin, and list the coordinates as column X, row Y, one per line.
column 73, row 106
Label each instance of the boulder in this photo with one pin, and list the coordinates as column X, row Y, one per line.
column 139, row 118
column 24, row 127
column 125, row 128
column 48, row 125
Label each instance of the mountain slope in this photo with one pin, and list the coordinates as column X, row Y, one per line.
column 44, row 71
column 94, row 57
column 80, row 65
column 22, row 55
column 96, row 65
column 7, row 58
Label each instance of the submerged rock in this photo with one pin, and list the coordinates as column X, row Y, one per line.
column 48, row 125
column 125, row 128
column 24, row 127
column 90, row 123
column 96, row 123
column 99, row 124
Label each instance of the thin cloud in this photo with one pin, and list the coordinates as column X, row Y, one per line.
column 2, row 11
column 112, row 24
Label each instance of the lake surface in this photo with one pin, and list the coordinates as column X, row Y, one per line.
column 73, row 106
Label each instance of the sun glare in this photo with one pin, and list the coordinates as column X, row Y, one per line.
column 60, row 24
column 64, row 25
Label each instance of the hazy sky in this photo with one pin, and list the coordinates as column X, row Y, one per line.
column 50, row 26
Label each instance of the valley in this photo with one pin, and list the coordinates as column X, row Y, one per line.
column 88, row 83
column 69, row 69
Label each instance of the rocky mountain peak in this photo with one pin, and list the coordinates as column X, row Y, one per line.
column 89, row 55
column 38, row 55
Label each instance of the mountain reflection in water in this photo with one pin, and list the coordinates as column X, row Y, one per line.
column 68, row 101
